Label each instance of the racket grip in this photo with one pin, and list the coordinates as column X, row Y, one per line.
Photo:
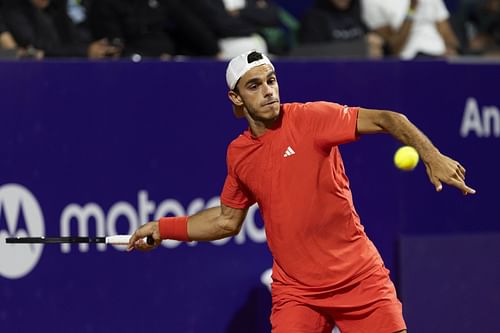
column 123, row 240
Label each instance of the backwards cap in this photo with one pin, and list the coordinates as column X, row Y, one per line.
column 241, row 64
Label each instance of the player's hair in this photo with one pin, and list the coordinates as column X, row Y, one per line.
column 251, row 57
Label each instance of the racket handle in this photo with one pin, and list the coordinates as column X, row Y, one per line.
column 123, row 240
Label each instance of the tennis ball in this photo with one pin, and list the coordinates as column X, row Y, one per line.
column 406, row 158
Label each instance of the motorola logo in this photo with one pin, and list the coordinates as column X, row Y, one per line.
column 20, row 216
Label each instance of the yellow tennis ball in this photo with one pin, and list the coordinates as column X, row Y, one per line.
column 406, row 158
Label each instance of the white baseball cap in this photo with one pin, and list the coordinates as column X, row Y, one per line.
column 239, row 65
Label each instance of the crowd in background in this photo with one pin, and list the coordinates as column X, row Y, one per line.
column 164, row 29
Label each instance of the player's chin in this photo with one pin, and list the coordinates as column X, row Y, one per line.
column 270, row 111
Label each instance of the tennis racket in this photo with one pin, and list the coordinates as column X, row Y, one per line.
column 113, row 240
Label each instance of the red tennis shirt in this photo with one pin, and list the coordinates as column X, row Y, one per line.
column 295, row 173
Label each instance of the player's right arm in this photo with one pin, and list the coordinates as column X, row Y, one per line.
column 206, row 225
column 216, row 223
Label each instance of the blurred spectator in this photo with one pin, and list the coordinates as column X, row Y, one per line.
column 477, row 24
column 77, row 11
column 411, row 28
column 338, row 23
column 240, row 24
column 151, row 28
column 332, row 20
column 6, row 39
column 43, row 29
column 8, row 46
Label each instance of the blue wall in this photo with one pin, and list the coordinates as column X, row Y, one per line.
column 131, row 141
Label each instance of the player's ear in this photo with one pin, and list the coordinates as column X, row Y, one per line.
column 235, row 98
column 238, row 107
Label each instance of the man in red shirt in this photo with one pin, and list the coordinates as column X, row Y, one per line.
column 326, row 271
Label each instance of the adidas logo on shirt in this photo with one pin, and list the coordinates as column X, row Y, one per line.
column 288, row 152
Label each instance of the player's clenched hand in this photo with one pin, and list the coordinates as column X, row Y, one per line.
column 136, row 241
column 441, row 168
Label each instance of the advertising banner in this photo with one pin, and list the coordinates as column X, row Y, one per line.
column 99, row 148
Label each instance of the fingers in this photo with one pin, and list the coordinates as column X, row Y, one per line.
column 136, row 241
column 133, row 239
column 434, row 180
column 141, row 245
column 437, row 184
column 460, row 175
column 450, row 172
column 458, row 180
column 460, row 171
column 461, row 186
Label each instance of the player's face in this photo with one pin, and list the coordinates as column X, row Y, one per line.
column 258, row 91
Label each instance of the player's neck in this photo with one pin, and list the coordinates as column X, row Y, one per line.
column 261, row 126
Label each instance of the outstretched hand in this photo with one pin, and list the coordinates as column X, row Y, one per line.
column 136, row 241
column 442, row 169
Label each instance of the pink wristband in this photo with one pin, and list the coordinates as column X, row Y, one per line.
column 174, row 228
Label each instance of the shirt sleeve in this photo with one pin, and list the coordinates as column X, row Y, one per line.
column 234, row 193
column 331, row 124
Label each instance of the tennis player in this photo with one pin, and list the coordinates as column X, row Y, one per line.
column 326, row 271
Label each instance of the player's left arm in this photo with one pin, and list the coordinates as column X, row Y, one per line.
column 440, row 168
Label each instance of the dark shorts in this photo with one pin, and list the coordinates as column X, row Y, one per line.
column 369, row 306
